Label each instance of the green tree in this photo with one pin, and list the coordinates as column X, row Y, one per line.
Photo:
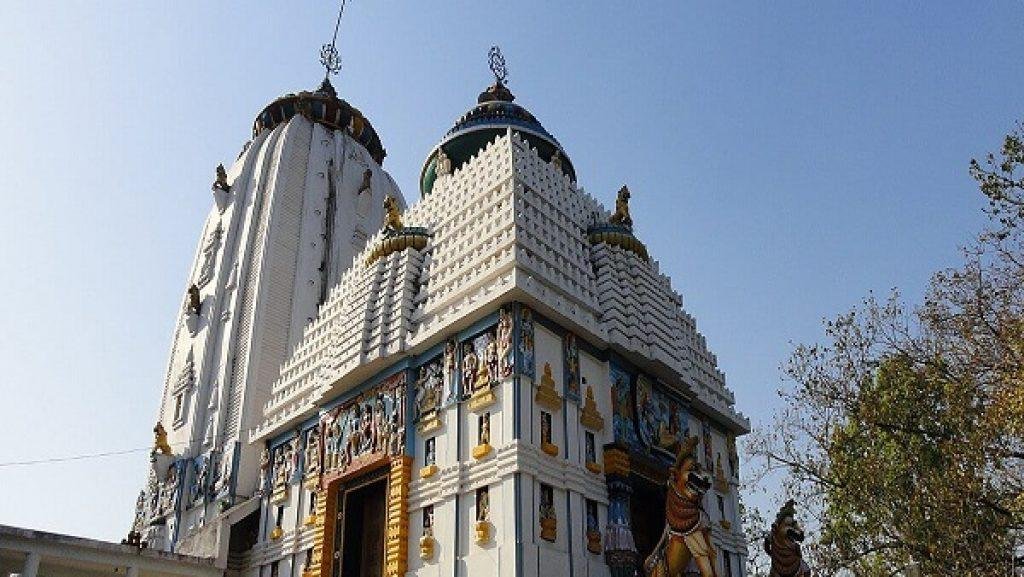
column 902, row 431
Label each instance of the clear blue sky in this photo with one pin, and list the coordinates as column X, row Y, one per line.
column 785, row 157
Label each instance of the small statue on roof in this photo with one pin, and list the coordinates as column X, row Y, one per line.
column 195, row 302
column 221, row 182
column 621, row 214
column 160, row 440
column 392, row 214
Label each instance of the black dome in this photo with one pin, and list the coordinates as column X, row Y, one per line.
column 324, row 107
column 494, row 113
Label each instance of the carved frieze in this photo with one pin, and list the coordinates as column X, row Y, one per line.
column 371, row 425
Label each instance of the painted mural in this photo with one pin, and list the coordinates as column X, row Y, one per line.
column 370, row 426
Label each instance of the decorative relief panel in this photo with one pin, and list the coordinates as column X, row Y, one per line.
column 623, row 415
column 646, row 418
column 430, row 389
column 660, row 418
column 370, row 426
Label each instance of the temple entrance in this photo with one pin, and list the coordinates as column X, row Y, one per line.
column 362, row 522
column 647, row 507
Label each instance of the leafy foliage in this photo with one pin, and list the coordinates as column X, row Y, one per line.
column 903, row 432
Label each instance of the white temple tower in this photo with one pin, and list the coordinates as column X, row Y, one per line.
column 287, row 219
column 496, row 381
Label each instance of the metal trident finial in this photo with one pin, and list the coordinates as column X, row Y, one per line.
column 497, row 63
column 329, row 57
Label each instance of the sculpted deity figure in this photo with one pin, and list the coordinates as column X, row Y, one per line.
column 444, row 164
column 355, row 435
column 783, row 545
column 687, row 533
column 470, row 364
column 505, row 341
column 449, row 370
column 492, row 361
column 195, row 302
column 333, row 443
column 366, row 183
column 428, row 389
column 621, row 214
column 210, row 255
column 313, row 450
column 265, row 464
column 378, row 427
column 556, row 159
column 484, row 438
column 483, row 505
column 281, row 473
column 221, row 181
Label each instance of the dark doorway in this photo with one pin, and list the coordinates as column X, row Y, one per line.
column 364, row 518
column 647, row 507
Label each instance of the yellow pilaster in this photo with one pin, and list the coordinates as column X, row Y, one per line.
column 317, row 568
column 396, row 552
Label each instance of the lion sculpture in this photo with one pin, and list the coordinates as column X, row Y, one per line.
column 392, row 214
column 783, row 545
column 621, row 214
column 687, row 533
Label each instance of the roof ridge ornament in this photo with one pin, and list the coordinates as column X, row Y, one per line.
column 497, row 92
column 329, row 57
column 496, row 62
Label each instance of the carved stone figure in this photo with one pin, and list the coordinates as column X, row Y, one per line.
column 313, row 451
column 546, row 512
column 687, row 534
column 265, row 464
column 470, row 364
column 364, row 186
column 621, row 214
column 296, row 453
column 209, row 255
column 483, row 505
column 392, row 214
column 450, row 370
column 526, row 343
column 556, row 159
column 492, row 361
column 195, row 302
column 484, row 438
column 221, row 182
column 198, row 492
column 444, row 164
column 160, row 440
column 783, row 545
column 428, row 389
column 505, row 342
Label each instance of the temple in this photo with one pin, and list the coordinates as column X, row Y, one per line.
column 495, row 379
